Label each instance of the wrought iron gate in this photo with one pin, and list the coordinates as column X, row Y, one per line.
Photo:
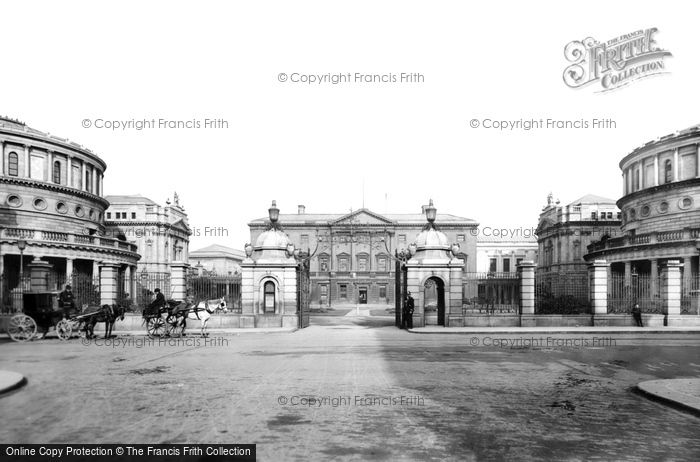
column 303, row 292
column 401, row 289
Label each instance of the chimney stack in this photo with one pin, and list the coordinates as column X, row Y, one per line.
column 302, row 210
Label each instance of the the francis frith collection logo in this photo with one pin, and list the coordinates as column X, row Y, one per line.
column 616, row 62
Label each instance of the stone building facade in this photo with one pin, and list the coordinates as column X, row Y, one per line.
column 502, row 254
column 353, row 252
column 217, row 259
column 51, row 202
column 160, row 233
column 660, row 208
column 564, row 232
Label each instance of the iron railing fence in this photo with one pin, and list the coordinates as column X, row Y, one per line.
column 562, row 293
column 624, row 292
column 213, row 287
column 490, row 293
column 690, row 295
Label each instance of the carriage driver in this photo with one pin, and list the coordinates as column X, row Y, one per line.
column 158, row 303
column 66, row 301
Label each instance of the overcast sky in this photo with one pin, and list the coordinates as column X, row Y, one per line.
column 63, row 62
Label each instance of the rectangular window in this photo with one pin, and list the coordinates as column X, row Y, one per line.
column 343, row 264
column 133, row 215
column 362, row 264
column 381, row 264
column 324, row 290
column 506, row 265
column 323, row 263
column 382, row 291
column 57, row 172
column 594, row 216
column 304, row 241
column 492, row 265
column 343, row 291
column 402, row 238
column 619, row 215
column 610, row 215
column 13, row 164
column 460, row 238
column 109, row 215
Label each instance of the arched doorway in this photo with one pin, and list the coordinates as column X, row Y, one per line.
column 434, row 301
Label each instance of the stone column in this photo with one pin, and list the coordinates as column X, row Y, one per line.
column 39, row 273
column 654, row 274
column 83, row 185
column 69, row 269
column 675, row 164
column 27, row 162
column 2, row 157
column 69, row 171
column 671, row 292
column 687, row 275
column 598, row 286
column 628, row 274
column 94, row 180
column 132, row 283
column 108, row 283
column 656, row 170
column 48, row 168
column 526, row 269
column 95, row 268
column 178, row 280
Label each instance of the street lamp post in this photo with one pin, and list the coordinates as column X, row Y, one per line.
column 21, row 245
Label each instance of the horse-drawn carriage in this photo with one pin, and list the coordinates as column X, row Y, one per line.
column 41, row 311
column 171, row 318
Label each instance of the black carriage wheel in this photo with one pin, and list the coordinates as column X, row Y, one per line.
column 156, row 327
column 21, row 328
column 64, row 329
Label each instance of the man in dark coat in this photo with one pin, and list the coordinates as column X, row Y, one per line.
column 158, row 303
column 410, row 304
column 637, row 314
column 66, row 301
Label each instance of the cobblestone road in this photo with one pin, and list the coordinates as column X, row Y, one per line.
column 461, row 400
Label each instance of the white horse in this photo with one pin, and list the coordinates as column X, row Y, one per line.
column 201, row 311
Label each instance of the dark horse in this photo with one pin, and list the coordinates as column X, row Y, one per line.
column 107, row 314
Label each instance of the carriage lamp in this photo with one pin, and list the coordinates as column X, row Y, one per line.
column 430, row 212
column 273, row 213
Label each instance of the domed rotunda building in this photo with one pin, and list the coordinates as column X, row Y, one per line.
column 52, row 212
column 660, row 211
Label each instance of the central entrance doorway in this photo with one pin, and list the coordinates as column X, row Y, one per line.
column 434, row 302
column 363, row 296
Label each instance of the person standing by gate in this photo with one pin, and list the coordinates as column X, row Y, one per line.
column 409, row 311
column 637, row 314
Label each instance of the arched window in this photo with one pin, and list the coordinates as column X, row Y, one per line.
column 57, row 172
column 668, row 171
column 13, row 164
column 269, row 292
column 88, row 181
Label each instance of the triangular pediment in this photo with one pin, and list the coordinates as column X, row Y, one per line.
column 180, row 225
column 362, row 217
